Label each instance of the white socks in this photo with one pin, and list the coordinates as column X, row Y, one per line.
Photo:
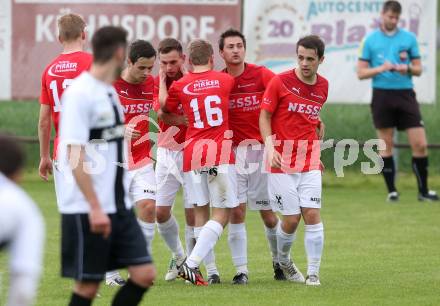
column 284, row 244
column 169, row 231
column 148, row 231
column 190, row 239
column 271, row 235
column 206, row 241
column 209, row 260
column 237, row 240
column 314, row 243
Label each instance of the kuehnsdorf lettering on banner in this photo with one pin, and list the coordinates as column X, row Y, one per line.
column 273, row 27
column 34, row 29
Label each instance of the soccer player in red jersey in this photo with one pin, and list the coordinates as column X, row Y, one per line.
column 55, row 79
column 135, row 90
column 208, row 161
column 289, row 121
column 169, row 164
column 244, row 111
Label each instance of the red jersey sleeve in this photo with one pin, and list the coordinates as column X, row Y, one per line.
column 44, row 97
column 271, row 95
column 266, row 76
column 172, row 102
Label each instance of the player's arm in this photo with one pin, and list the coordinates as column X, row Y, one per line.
column 76, row 120
column 163, row 91
column 171, row 118
column 172, row 101
column 321, row 129
column 268, row 106
column 44, row 129
column 266, row 133
column 99, row 221
column 364, row 71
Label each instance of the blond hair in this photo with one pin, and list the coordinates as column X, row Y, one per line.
column 70, row 27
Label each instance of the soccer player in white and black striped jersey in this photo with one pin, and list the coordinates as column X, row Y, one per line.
column 99, row 228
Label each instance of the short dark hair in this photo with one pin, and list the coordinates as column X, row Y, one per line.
column 200, row 51
column 230, row 33
column 106, row 41
column 140, row 48
column 312, row 42
column 12, row 157
column 393, row 6
column 169, row 44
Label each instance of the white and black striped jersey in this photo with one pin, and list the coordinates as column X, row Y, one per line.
column 93, row 117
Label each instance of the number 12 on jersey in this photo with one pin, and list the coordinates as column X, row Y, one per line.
column 214, row 115
column 56, row 97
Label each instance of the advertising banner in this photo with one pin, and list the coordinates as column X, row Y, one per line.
column 34, row 41
column 272, row 29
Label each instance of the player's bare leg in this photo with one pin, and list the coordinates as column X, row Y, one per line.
column 209, row 236
column 389, row 168
column 201, row 217
column 237, row 239
column 271, row 224
column 313, row 242
column 169, row 230
column 286, row 234
column 419, row 148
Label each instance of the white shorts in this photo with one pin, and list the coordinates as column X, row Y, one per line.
column 289, row 192
column 251, row 180
column 142, row 183
column 215, row 185
column 169, row 177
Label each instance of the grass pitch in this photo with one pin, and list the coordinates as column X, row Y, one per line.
column 375, row 253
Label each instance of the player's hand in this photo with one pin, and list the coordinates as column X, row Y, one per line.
column 99, row 222
column 387, row 66
column 401, row 68
column 321, row 130
column 182, row 120
column 131, row 132
column 45, row 168
column 162, row 75
column 275, row 158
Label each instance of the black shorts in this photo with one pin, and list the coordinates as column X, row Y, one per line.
column 395, row 108
column 87, row 256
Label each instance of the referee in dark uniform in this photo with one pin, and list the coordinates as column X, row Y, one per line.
column 390, row 56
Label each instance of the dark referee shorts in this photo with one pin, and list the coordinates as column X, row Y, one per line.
column 87, row 256
column 395, row 108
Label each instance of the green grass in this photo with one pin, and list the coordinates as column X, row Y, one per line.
column 375, row 253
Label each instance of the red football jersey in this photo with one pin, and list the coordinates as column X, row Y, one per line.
column 295, row 108
column 55, row 79
column 205, row 100
column 137, row 101
column 170, row 137
column 245, row 101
